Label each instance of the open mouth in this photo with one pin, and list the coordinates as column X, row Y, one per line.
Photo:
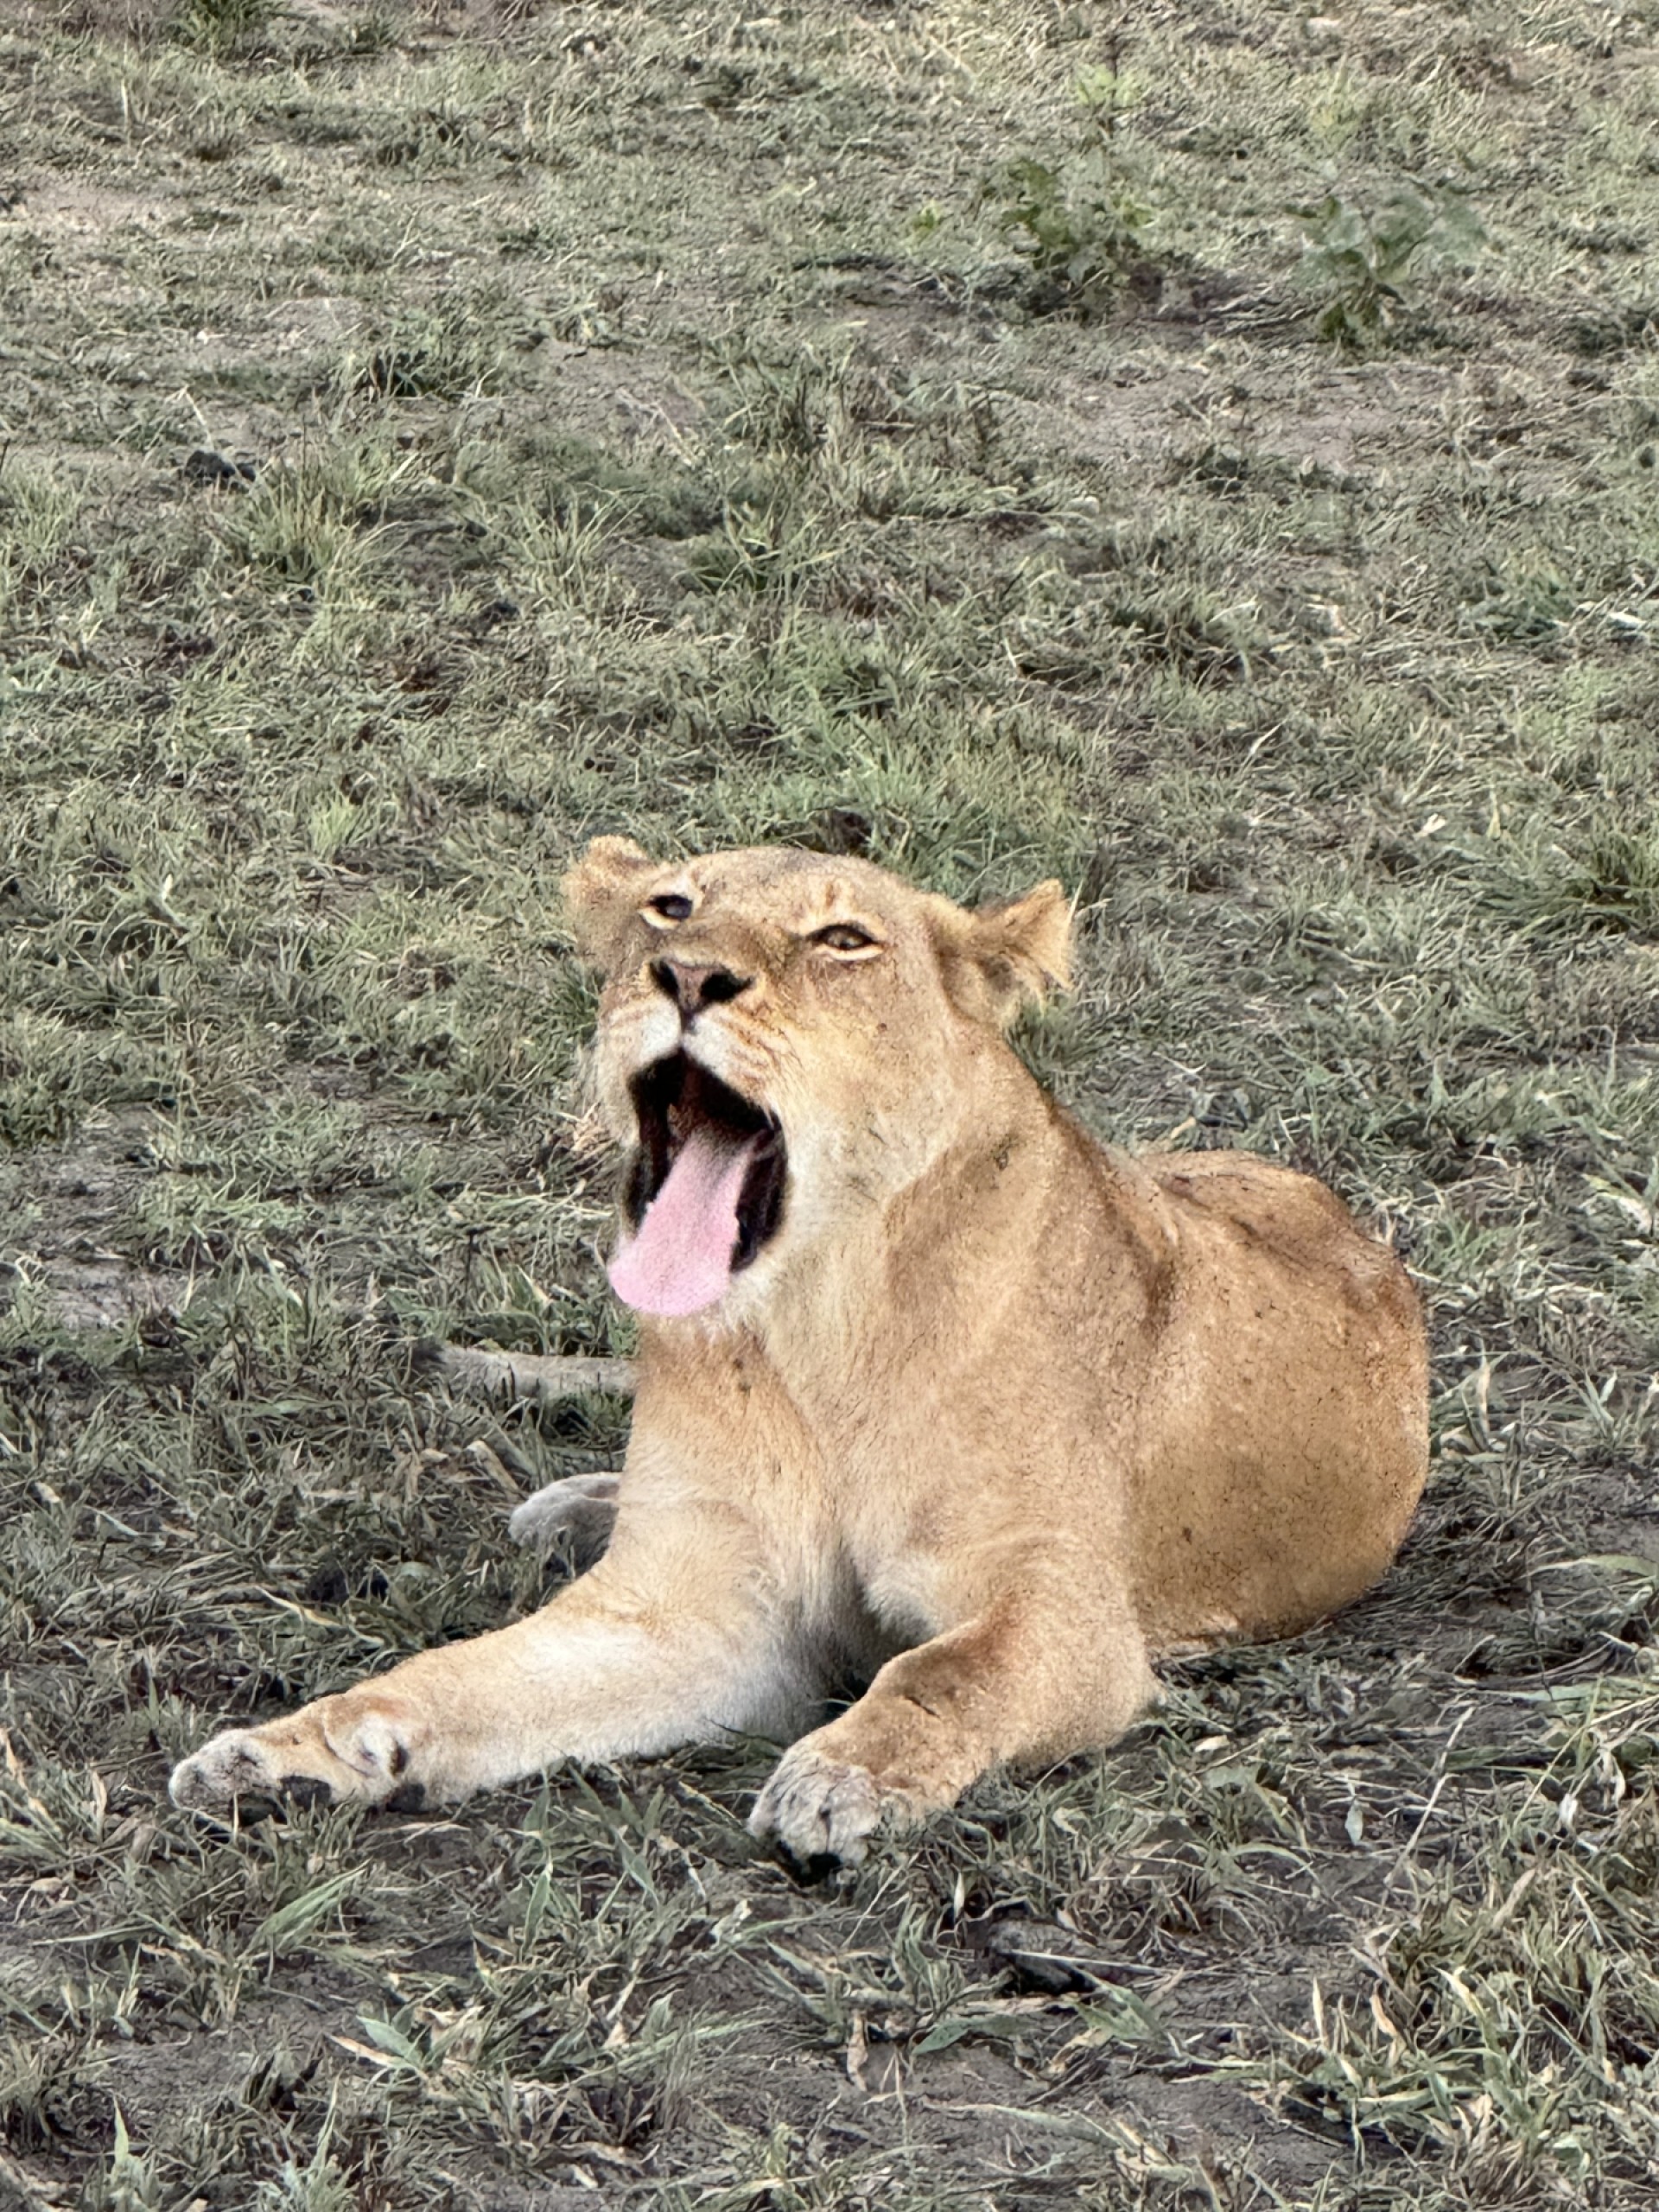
column 704, row 1192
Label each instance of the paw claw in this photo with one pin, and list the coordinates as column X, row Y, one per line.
column 305, row 1791
column 817, row 1808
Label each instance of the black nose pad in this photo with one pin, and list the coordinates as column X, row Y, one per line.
column 693, row 989
column 722, row 985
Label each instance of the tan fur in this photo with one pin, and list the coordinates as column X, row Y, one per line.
column 998, row 1415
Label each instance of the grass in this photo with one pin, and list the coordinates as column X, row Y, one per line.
column 433, row 437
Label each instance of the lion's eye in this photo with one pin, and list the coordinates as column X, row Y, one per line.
column 671, row 906
column 843, row 936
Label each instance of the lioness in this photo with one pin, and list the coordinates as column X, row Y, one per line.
column 931, row 1385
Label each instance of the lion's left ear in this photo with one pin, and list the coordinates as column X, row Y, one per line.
column 998, row 956
column 601, row 893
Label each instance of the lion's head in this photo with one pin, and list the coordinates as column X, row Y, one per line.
column 783, row 1036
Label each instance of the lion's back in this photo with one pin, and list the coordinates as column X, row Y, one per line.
column 1290, row 1219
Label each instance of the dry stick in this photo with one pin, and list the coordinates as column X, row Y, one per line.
column 529, row 1374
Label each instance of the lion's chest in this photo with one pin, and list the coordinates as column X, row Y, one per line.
column 898, row 1548
column 917, row 1498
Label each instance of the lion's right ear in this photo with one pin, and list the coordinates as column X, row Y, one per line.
column 601, row 893
column 996, row 957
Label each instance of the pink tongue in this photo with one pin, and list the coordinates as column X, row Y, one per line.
column 679, row 1260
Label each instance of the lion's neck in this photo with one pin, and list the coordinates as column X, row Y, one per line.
column 878, row 1279
column 934, row 1256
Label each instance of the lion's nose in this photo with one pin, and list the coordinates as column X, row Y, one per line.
column 692, row 988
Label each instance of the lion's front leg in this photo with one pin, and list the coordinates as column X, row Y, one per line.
column 659, row 1648
column 1025, row 1679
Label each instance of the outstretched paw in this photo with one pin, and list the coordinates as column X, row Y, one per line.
column 348, row 1750
column 816, row 1808
column 582, row 1505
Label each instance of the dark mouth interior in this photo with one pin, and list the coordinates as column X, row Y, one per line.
column 675, row 1097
